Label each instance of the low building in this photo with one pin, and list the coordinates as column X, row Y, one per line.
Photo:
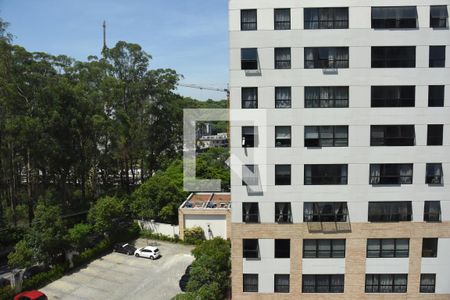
column 212, row 141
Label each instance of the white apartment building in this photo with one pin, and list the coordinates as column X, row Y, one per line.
column 340, row 149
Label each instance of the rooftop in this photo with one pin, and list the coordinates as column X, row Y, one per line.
column 207, row 201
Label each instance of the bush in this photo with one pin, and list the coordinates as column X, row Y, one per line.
column 6, row 293
column 92, row 253
column 161, row 237
column 44, row 278
column 194, row 235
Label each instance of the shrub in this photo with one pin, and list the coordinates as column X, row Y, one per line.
column 44, row 278
column 92, row 253
column 6, row 293
column 194, row 235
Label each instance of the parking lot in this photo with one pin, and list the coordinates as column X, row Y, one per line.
column 118, row 276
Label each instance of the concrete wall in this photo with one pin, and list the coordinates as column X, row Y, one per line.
column 161, row 228
column 217, row 224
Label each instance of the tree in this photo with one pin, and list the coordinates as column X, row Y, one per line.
column 23, row 256
column 77, row 236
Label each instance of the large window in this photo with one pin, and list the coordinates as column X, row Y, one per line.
column 432, row 211
column 248, row 19
column 387, row 248
column 282, row 18
column 323, row 283
column 249, row 59
column 437, row 57
column 391, row 174
column 438, row 16
column 283, row 212
column 282, row 248
column 427, row 283
column 390, row 211
column 282, row 58
column 282, row 136
column 326, row 57
column 434, row 134
column 392, row 135
column 249, row 136
column 324, row 248
column 250, row 212
column 283, row 97
column 326, row 136
column 281, row 282
column 249, row 97
column 250, row 283
column 326, row 18
column 393, row 96
column 250, row 248
column 429, row 247
column 326, row 96
column 325, row 174
column 282, row 174
column 436, row 95
column 325, row 212
column 250, row 175
column 394, row 57
column 434, row 174
column 394, row 17
column 386, row 283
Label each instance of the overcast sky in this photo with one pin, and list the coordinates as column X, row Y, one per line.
column 189, row 36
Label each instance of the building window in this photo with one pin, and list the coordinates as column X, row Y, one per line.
column 437, row 57
column 250, row 212
column 282, row 174
column 436, row 96
column 429, row 247
column 326, row 57
column 325, row 212
column 249, row 59
column 283, row 212
column 326, row 136
column 427, row 283
column 250, row 248
column 324, row 248
column 326, row 96
column 434, row 174
column 394, row 17
column 325, row 174
column 432, row 211
column 282, row 18
column 391, row 174
column 282, row 136
column 390, row 211
column 393, row 96
column 250, row 175
column 438, row 16
column 282, row 58
column 323, row 283
column 392, row 135
column 326, row 18
column 282, row 248
column 249, row 97
column 394, row 57
column 386, row 283
column 383, row 248
column 250, row 283
column 249, row 136
column 248, row 19
column 283, row 97
column 281, row 283
column 434, row 135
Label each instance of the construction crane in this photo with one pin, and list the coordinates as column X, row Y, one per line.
column 196, row 86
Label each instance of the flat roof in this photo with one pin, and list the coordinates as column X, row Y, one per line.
column 207, row 200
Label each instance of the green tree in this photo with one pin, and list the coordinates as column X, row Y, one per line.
column 77, row 236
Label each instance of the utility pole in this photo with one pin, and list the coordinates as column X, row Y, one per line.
column 104, row 37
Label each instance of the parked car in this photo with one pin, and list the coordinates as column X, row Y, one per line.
column 124, row 248
column 148, row 252
column 183, row 282
column 31, row 295
column 32, row 271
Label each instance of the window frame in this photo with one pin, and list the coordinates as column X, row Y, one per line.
column 281, row 288
column 394, row 212
column 383, row 252
column 334, row 23
column 280, row 250
column 318, row 212
column 437, row 62
column 316, row 288
column 435, row 134
column 250, row 288
column 388, row 96
column 282, row 64
column 385, row 178
column 387, row 59
column 281, row 216
column 277, row 101
column 333, row 180
column 319, row 141
column 318, row 253
column 283, row 142
column 283, row 178
column 391, row 22
column 281, row 25
column 325, row 63
column 433, row 244
column 392, row 288
column 427, row 288
column 433, row 179
column 331, row 90
column 391, row 140
column 249, row 104
column 249, row 24
column 430, row 216
column 247, row 63
column 249, row 140
column 441, row 21
column 253, row 215
column 436, row 95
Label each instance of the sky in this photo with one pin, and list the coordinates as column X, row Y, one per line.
column 189, row 36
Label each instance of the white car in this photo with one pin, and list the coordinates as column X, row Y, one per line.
column 148, row 252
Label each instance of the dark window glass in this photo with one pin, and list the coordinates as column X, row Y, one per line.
column 387, row 248
column 283, row 97
column 248, row 19
column 250, row 212
column 394, row 57
column 324, row 248
column 250, row 283
column 323, row 283
column 283, row 212
column 432, row 211
column 386, row 283
column 429, row 247
column 326, row 136
column 282, row 18
column 391, row 174
column 390, row 211
column 249, row 136
column 326, row 96
column 394, row 17
column 249, row 97
column 249, row 59
column 250, row 248
column 434, row 174
column 326, row 18
column 437, row 56
column 325, row 174
column 250, row 175
column 427, row 283
column 282, row 58
column 282, row 136
column 325, row 212
column 326, row 57
column 438, row 16
column 436, row 95
column 281, row 283
column 392, row 135
column 393, row 96
column 282, row 174
column 434, row 135
column 282, row 248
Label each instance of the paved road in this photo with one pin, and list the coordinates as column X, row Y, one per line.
column 118, row 276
